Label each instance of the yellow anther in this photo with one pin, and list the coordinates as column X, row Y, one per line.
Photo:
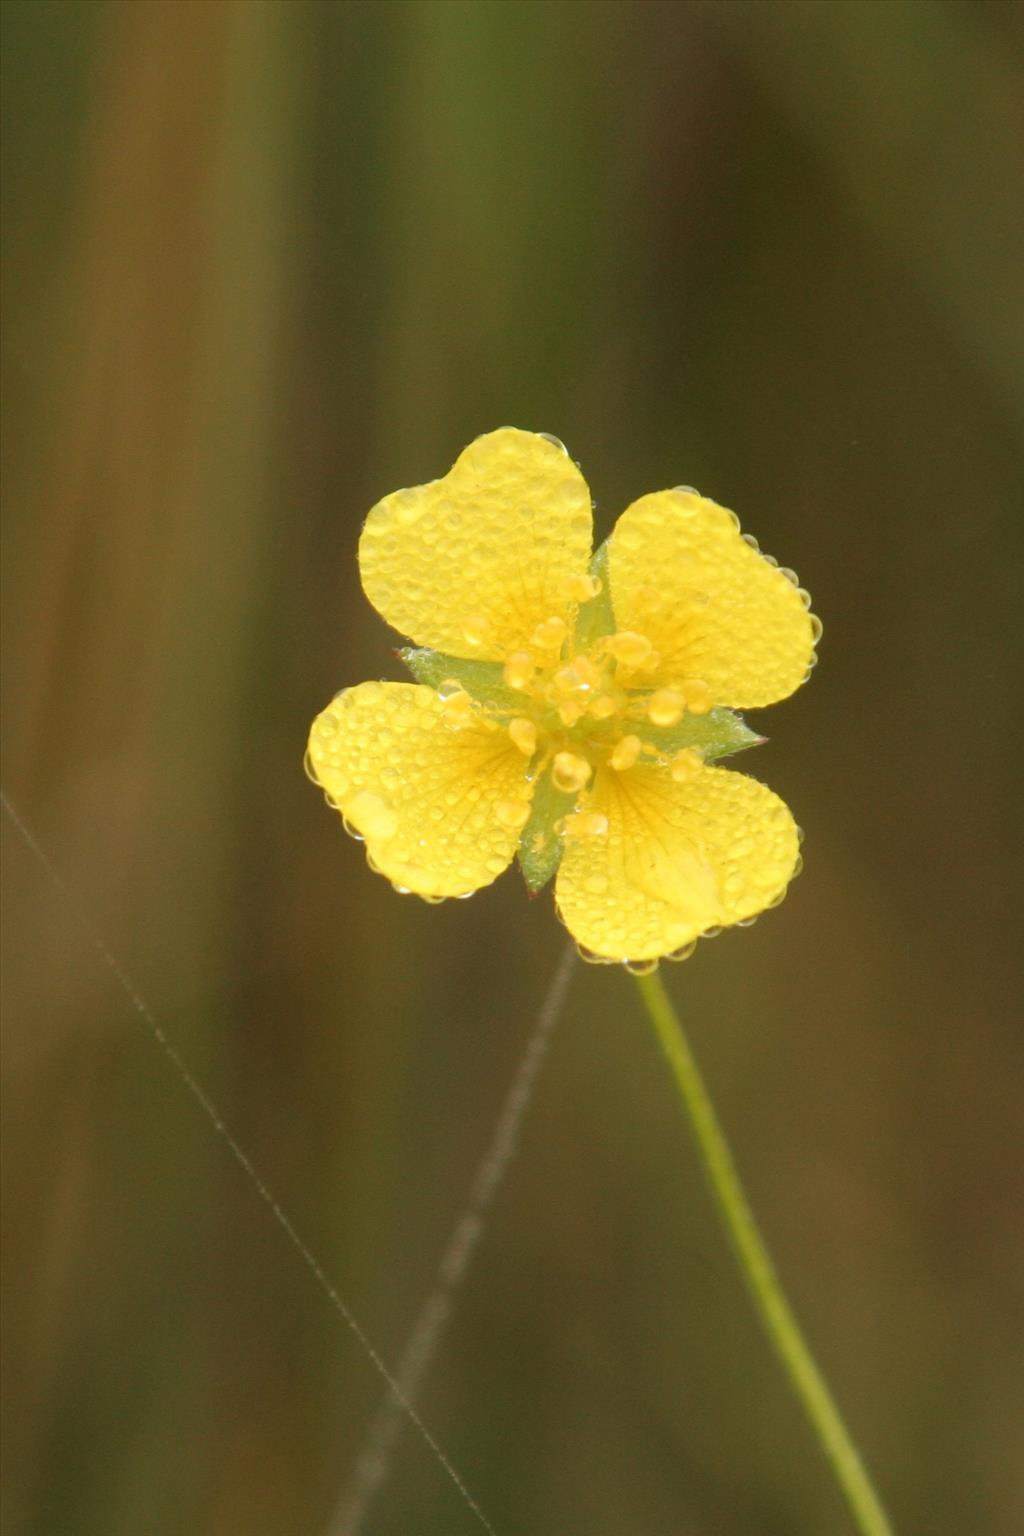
column 629, row 647
column 571, row 711
column 512, row 813
column 570, row 773
column 524, row 735
column 603, row 707
column 665, row 706
column 518, row 670
column 549, row 635
column 475, row 629
column 697, row 695
column 686, row 765
column 457, row 707
column 577, row 676
column 580, row 588
column 625, row 753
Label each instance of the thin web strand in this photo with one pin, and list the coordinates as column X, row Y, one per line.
column 376, row 1457
column 209, row 1110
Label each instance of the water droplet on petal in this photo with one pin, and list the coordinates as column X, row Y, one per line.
column 591, row 956
column 641, row 967
column 475, row 630
column 372, row 815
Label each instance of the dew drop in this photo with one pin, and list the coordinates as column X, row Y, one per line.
column 373, row 815
column 475, row 629
column 590, row 956
column 556, row 442
column 352, row 831
column 641, row 967
column 684, row 952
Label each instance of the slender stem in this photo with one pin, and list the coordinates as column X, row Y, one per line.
column 757, row 1268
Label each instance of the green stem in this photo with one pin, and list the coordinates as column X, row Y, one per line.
column 758, row 1270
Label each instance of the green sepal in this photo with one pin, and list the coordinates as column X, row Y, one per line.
column 717, row 734
column 540, row 846
column 595, row 618
column 482, row 680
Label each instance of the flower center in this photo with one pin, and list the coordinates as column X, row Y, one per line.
column 593, row 705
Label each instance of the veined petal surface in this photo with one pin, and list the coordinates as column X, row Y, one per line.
column 425, row 787
column 676, row 859
column 473, row 563
column 711, row 605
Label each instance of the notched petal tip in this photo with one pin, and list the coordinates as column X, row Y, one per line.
column 720, row 610
column 470, row 564
column 426, row 798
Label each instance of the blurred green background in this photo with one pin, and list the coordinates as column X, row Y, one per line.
column 264, row 263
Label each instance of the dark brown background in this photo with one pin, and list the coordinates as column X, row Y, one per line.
column 266, row 262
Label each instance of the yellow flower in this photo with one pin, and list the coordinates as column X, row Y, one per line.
column 568, row 708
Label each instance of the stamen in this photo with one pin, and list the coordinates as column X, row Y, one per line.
column 686, row 765
column 549, row 635
column 580, row 588
column 570, row 773
column 518, row 670
column 524, row 735
column 603, row 707
column 457, row 708
column 578, row 675
column 665, row 706
column 697, row 695
column 625, row 753
column 629, row 647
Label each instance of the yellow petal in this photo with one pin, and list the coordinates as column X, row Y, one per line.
column 676, row 859
column 474, row 563
column 431, row 793
column 713, row 608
